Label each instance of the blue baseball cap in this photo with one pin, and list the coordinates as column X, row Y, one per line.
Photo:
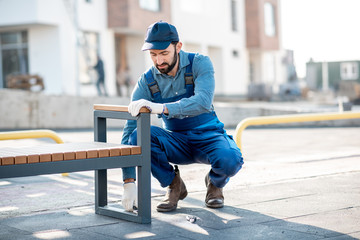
column 159, row 36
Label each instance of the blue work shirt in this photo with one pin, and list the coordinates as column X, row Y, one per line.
column 200, row 102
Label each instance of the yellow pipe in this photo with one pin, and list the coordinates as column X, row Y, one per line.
column 255, row 121
column 30, row 134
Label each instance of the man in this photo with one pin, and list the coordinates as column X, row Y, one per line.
column 180, row 88
column 100, row 84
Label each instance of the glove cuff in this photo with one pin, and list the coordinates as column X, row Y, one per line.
column 127, row 183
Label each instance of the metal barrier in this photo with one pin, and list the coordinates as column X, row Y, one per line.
column 30, row 134
column 311, row 117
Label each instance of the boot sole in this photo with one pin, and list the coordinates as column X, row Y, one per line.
column 220, row 205
column 166, row 209
column 182, row 197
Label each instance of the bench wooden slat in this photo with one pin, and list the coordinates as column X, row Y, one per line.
column 8, row 153
column 80, row 154
column 135, row 150
column 66, row 151
column 8, row 161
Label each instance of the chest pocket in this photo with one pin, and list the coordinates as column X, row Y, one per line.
column 180, row 92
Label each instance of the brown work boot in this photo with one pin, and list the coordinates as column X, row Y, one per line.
column 214, row 196
column 176, row 191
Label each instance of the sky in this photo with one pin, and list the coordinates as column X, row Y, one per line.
column 325, row 30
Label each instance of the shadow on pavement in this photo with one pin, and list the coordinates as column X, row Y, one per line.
column 226, row 223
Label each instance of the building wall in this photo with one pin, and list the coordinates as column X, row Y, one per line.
column 44, row 56
column 140, row 19
column 128, row 21
column 126, row 16
column 211, row 36
column 255, row 27
column 27, row 14
column 315, row 74
column 252, row 16
column 118, row 13
column 138, row 60
column 265, row 54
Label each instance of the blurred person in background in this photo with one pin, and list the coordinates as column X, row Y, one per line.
column 100, row 84
column 123, row 82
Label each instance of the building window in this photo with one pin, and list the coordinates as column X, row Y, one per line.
column 349, row 71
column 151, row 5
column 13, row 55
column 269, row 18
column 234, row 17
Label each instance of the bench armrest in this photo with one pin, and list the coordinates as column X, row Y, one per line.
column 116, row 108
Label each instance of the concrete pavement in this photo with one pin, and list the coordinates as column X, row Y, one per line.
column 297, row 183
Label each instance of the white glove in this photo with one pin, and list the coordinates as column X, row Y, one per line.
column 135, row 106
column 130, row 196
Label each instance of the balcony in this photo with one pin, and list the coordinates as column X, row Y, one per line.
column 15, row 13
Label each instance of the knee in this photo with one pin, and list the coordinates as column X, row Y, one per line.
column 155, row 132
column 232, row 162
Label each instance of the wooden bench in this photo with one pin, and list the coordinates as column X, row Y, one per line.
column 97, row 155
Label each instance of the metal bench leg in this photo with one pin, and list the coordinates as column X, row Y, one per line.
column 100, row 189
column 144, row 178
column 100, row 175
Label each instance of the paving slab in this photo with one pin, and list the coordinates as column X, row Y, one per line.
column 57, row 220
column 295, row 184
column 340, row 221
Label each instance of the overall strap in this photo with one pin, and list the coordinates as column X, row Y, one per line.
column 189, row 78
column 152, row 84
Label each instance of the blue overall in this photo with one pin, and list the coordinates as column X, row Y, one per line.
column 197, row 139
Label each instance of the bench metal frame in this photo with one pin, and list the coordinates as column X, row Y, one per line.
column 142, row 162
column 101, row 164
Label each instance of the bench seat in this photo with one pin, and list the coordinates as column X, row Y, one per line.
column 65, row 151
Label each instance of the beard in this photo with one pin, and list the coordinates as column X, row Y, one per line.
column 169, row 66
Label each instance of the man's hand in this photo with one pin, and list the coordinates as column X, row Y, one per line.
column 135, row 106
column 129, row 199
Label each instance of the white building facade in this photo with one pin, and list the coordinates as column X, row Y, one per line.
column 216, row 28
column 59, row 40
column 51, row 35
